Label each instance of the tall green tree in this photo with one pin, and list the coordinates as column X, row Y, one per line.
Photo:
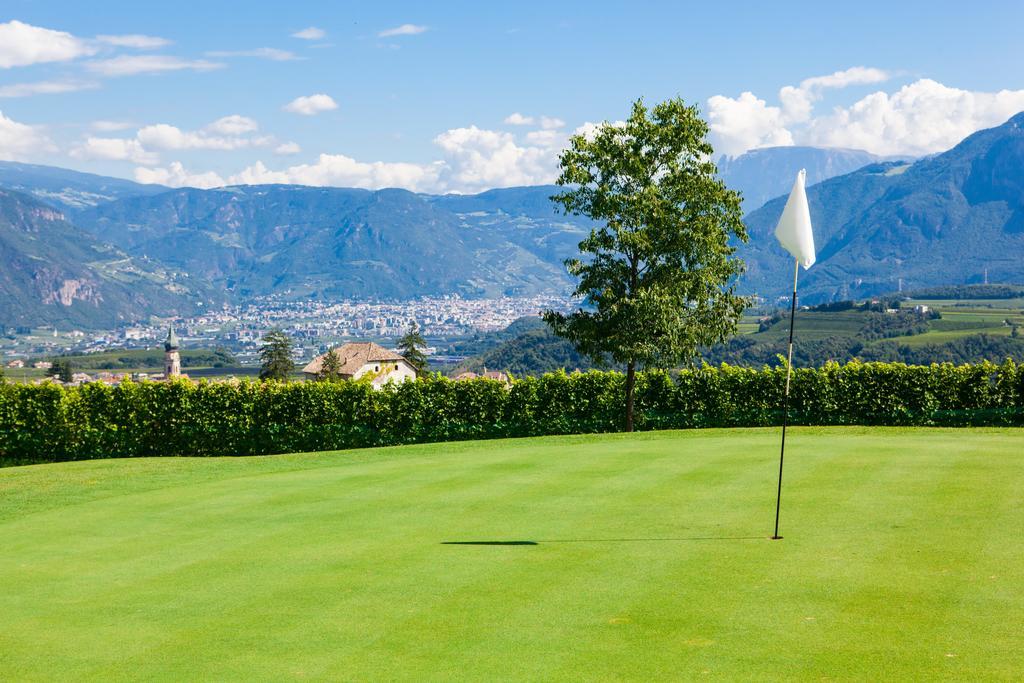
column 276, row 355
column 61, row 369
column 657, row 275
column 330, row 367
column 411, row 346
column 66, row 373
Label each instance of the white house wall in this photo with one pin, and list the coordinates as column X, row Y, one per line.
column 403, row 373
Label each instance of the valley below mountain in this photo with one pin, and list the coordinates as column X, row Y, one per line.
column 92, row 251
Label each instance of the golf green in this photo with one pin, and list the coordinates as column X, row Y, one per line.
column 625, row 557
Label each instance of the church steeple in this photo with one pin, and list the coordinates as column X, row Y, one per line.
column 171, row 343
column 172, row 361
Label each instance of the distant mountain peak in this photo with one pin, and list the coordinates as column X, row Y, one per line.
column 765, row 173
column 945, row 219
column 795, row 150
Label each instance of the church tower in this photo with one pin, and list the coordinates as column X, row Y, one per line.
column 172, row 361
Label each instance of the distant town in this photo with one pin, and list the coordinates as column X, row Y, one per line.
column 313, row 325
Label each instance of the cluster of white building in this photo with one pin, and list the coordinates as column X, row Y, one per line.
column 436, row 316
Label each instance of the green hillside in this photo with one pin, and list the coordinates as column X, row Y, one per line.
column 967, row 331
column 640, row 557
column 957, row 330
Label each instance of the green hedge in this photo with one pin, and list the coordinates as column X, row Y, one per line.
column 46, row 422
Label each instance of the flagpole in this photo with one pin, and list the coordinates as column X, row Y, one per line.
column 785, row 400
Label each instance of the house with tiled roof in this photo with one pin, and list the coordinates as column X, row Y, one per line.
column 361, row 358
column 487, row 374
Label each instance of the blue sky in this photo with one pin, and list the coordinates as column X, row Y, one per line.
column 428, row 107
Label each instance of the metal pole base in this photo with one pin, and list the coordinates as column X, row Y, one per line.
column 776, row 538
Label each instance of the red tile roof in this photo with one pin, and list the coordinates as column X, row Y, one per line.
column 353, row 356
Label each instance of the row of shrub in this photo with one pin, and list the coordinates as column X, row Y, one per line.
column 48, row 422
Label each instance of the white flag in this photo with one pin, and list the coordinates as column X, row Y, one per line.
column 794, row 228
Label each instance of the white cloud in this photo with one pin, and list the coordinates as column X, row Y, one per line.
column 286, row 148
column 545, row 122
column 22, row 44
column 477, row 159
column 233, row 125
column 920, row 118
column 517, row 119
column 338, row 170
column 588, row 129
column 129, row 65
column 108, row 126
column 798, row 101
column 135, row 40
column 550, row 122
column 855, row 75
column 745, row 122
column 473, row 159
column 311, row 104
column 403, row 30
column 45, row 88
column 175, row 175
column 748, row 122
column 923, row 117
column 270, row 53
column 165, row 136
column 21, row 141
column 546, row 138
column 225, row 134
column 311, row 33
column 114, row 149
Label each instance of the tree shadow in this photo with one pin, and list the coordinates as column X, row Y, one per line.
column 611, row 540
column 655, row 540
column 488, row 542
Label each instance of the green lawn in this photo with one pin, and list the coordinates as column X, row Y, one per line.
column 648, row 559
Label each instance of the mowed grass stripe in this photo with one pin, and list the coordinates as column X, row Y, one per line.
column 652, row 561
column 569, row 563
column 865, row 600
column 532, row 582
column 754, row 607
column 253, row 502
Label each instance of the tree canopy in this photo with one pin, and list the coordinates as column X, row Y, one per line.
column 62, row 370
column 657, row 275
column 411, row 346
column 330, row 367
column 276, row 355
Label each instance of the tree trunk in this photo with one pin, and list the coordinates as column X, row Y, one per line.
column 630, row 384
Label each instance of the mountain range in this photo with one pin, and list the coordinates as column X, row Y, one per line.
column 337, row 242
column 952, row 218
column 87, row 250
column 52, row 272
column 69, row 190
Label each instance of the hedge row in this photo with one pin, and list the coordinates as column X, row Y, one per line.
column 46, row 422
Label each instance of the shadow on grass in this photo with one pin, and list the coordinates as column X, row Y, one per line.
column 489, row 543
column 610, row 540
